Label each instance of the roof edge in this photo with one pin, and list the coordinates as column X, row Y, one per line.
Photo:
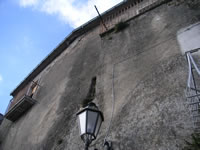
column 61, row 47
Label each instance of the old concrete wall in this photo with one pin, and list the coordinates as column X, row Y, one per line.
column 149, row 74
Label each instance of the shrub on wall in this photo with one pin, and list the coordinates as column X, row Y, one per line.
column 120, row 26
column 194, row 143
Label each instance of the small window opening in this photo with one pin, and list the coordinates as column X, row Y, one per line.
column 91, row 93
column 33, row 88
column 60, row 141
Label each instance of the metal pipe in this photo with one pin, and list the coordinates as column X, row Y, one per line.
column 196, row 95
column 101, row 18
column 107, row 145
column 195, row 86
column 86, row 147
column 87, row 144
column 193, row 50
column 189, row 70
column 193, row 62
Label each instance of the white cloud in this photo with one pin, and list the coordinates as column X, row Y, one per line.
column 25, row 3
column 1, row 78
column 73, row 12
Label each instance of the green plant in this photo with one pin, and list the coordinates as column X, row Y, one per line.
column 120, row 26
column 194, row 143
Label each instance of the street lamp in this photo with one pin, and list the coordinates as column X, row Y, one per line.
column 90, row 119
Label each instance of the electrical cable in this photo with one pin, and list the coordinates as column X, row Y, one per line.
column 113, row 105
column 113, row 92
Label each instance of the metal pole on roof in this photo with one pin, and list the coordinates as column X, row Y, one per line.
column 100, row 18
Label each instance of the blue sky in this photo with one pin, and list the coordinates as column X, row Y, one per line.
column 31, row 29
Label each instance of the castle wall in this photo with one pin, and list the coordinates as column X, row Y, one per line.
column 149, row 73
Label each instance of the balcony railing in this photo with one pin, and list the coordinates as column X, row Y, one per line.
column 22, row 106
column 22, row 102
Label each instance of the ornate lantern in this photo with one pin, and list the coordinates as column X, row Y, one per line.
column 90, row 119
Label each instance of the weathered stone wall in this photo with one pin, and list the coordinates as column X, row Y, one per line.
column 149, row 74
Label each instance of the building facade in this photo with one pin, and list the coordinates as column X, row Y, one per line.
column 1, row 118
column 141, row 75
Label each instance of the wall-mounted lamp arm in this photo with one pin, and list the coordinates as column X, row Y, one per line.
column 107, row 145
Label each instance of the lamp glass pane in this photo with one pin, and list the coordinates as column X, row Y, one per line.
column 82, row 121
column 98, row 125
column 92, row 120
